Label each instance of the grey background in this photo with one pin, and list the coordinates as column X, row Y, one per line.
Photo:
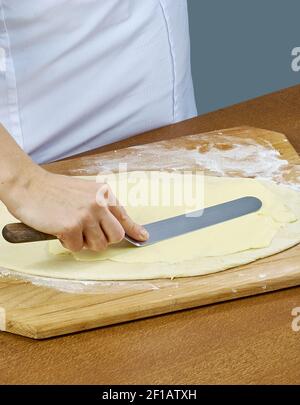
column 241, row 49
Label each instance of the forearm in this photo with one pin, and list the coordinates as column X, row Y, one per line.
column 15, row 165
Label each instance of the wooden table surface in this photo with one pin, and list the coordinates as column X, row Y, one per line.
column 244, row 341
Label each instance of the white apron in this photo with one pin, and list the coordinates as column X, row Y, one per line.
column 79, row 74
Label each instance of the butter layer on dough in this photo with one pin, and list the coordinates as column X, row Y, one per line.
column 274, row 228
column 252, row 231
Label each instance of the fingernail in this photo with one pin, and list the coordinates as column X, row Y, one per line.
column 144, row 234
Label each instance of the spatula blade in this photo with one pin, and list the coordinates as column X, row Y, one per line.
column 186, row 223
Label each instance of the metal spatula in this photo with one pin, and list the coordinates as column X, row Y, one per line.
column 181, row 224
column 160, row 230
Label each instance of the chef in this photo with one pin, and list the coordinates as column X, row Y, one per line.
column 76, row 75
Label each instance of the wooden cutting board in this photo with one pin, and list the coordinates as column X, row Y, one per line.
column 40, row 312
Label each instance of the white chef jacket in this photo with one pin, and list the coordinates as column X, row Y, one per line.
column 79, row 74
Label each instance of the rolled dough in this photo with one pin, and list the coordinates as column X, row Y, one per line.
column 274, row 228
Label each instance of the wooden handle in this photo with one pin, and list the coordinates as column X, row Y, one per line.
column 21, row 233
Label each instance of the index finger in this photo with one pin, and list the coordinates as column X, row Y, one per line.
column 105, row 197
column 131, row 228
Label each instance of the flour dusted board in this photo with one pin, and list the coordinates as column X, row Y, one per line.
column 41, row 312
